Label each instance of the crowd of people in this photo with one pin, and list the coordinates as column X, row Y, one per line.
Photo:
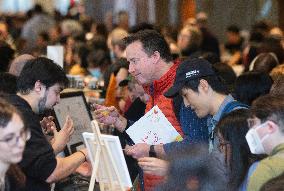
column 225, row 100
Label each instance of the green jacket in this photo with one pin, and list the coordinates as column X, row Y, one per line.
column 268, row 168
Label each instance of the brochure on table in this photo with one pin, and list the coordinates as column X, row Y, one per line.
column 153, row 128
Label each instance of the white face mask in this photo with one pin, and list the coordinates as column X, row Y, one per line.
column 254, row 141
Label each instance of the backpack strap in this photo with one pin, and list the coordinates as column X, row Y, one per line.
column 232, row 106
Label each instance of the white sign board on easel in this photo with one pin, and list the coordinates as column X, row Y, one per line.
column 56, row 53
column 108, row 162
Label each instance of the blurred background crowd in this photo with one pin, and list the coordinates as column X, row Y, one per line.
column 249, row 59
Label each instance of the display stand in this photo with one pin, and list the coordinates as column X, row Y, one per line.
column 105, row 168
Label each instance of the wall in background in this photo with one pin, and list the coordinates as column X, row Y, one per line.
column 242, row 13
column 169, row 12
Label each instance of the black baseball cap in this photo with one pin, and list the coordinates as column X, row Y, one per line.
column 190, row 69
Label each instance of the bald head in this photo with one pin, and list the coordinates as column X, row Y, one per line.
column 18, row 63
column 117, row 35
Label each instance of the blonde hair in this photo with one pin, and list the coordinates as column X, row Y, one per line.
column 117, row 35
column 277, row 71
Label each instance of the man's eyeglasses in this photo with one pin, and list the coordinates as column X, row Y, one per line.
column 14, row 140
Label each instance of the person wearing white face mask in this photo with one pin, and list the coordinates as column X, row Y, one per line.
column 266, row 136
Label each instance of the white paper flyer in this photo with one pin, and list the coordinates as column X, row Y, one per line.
column 153, row 128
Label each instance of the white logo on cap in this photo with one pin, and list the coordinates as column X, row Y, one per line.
column 191, row 73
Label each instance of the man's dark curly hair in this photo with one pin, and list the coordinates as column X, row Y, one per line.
column 43, row 70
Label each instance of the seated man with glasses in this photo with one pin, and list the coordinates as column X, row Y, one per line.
column 39, row 87
column 13, row 137
column 266, row 136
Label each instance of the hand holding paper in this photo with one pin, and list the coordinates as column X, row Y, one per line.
column 137, row 151
column 153, row 128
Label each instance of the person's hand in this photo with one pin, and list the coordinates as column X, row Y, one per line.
column 155, row 166
column 85, row 151
column 109, row 116
column 138, row 150
column 85, row 169
column 106, row 115
column 62, row 137
column 47, row 124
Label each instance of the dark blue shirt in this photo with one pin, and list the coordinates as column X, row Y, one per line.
column 195, row 130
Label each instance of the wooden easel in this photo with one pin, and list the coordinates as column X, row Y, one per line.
column 104, row 158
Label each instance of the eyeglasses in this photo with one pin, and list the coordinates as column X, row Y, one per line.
column 14, row 140
column 222, row 145
column 251, row 122
column 254, row 122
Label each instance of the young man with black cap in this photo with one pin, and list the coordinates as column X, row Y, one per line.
column 204, row 92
